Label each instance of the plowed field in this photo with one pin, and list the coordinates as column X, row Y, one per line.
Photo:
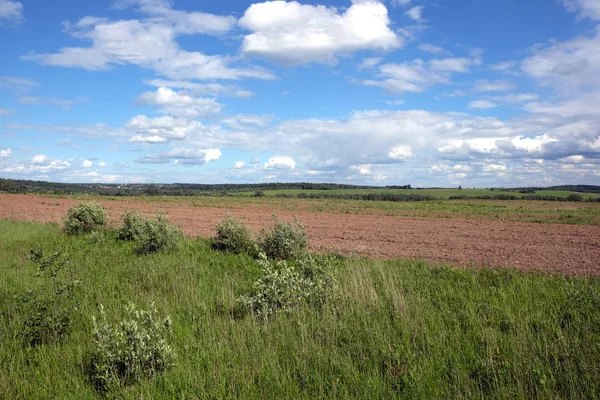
column 565, row 249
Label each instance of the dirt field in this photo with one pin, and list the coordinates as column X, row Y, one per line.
column 566, row 249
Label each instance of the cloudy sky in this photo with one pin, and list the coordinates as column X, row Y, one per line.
column 427, row 92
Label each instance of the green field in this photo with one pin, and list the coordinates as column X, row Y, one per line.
column 437, row 193
column 394, row 329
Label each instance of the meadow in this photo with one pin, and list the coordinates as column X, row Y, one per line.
column 392, row 329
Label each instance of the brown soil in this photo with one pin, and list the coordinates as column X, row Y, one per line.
column 565, row 249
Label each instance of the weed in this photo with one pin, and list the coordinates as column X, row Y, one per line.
column 129, row 351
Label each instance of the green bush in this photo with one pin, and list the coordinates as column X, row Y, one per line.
column 129, row 351
column 84, row 217
column 48, row 310
column 575, row 197
column 132, row 225
column 152, row 236
column 234, row 236
column 285, row 240
column 284, row 285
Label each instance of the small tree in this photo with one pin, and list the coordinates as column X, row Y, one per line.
column 234, row 236
column 285, row 240
column 84, row 217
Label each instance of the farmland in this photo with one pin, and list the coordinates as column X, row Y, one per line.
column 434, row 299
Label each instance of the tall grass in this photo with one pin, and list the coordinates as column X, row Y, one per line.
column 397, row 328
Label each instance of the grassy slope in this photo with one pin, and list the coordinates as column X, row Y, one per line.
column 399, row 328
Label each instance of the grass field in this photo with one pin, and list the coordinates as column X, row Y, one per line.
column 395, row 329
column 441, row 194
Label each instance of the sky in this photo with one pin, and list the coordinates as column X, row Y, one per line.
column 478, row 93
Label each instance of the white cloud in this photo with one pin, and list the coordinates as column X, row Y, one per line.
column 493, row 86
column 161, row 129
column 65, row 104
column 149, row 43
column 515, row 98
column 401, row 3
column 503, row 66
column 452, row 64
column 239, row 164
column 86, row 164
column 430, row 48
column 482, row 104
column 415, row 76
column 571, row 66
column 416, row 13
column 202, row 89
column 6, row 112
column 584, row 8
column 16, row 83
column 180, row 103
column 102, row 164
column 183, row 22
column 280, row 163
column 5, row 153
column 11, row 10
column 292, row 33
column 362, row 169
column 369, row 62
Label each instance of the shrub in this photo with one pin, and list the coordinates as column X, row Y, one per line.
column 284, row 286
column 132, row 225
column 131, row 350
column 49, row 309
column 574, row 197
column 285, row 240
column 234, row 236
column 84, row 217
column 152, row 236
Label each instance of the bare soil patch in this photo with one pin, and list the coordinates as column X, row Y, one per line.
column 565, row 249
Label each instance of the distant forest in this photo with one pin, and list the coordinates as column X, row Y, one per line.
column 192, row 189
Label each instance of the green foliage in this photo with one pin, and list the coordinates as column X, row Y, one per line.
column 48, row 310
column 283, row 286
column 129, row 351
column 132, row 225
column 575, row 197
column 285, row 240
column 233, row 236
column 151, row 236
column 84, row 217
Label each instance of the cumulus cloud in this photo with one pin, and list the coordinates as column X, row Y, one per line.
column 182, row 156
column 5, row 153
column 291, row 33
column 161, row 129
column 180, row 103
column 149, row 43
column 239, row 164
column 86, row 164
column 11, row 10
column 102, row 164
column 280, row 163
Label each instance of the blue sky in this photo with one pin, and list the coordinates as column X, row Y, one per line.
column 428, row 92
